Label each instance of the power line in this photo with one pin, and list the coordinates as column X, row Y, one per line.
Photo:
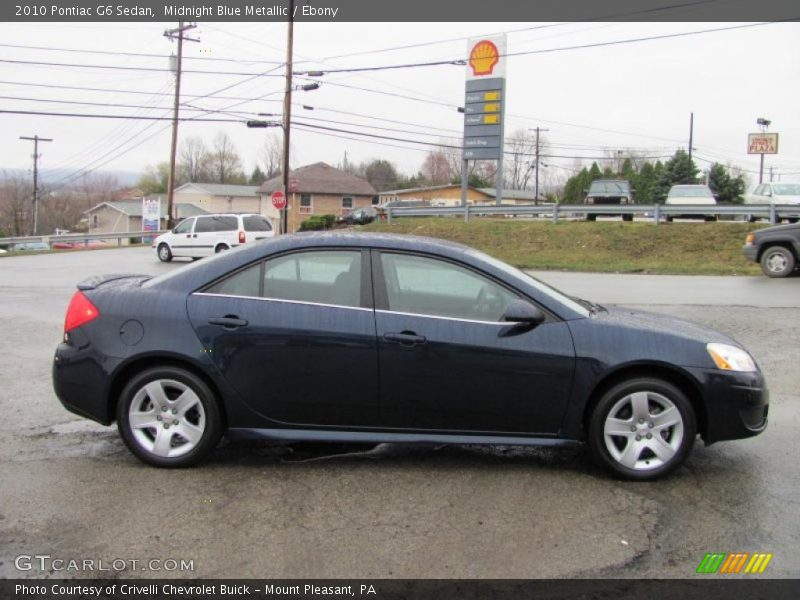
column 125, row 68
column 107, row 116
column 116, row 104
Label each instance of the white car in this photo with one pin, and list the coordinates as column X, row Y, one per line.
column 775, row 193
column 205, row 235
column 691, row 195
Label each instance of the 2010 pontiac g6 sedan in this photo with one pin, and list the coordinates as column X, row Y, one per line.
column 450, row 346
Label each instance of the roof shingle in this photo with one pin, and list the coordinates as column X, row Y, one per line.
column 321, row 178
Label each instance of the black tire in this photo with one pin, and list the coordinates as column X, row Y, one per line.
column 777, row 261
column 792, row 219
column 172, row 380
column 628, row 218
column 591, row 217
column 751, row 219
column 710, row 218
column 679, row 437
column 164, row 252
column 220, row 248
column 670, row 218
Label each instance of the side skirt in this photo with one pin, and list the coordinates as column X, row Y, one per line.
column 379, row 437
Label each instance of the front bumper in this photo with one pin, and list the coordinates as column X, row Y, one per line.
column 750, row 251
column 737, row 404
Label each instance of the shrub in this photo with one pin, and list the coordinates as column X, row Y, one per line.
column 318, row 223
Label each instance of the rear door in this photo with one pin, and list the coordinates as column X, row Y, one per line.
column 447, row 362
column 294, row 335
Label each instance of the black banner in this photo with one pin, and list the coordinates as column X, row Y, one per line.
column 393, row 11
column 711, row 588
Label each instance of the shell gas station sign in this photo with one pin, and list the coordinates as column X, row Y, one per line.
column 484, row 99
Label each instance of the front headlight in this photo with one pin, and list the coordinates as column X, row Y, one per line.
column 731, row 358
column 623, row 200
column 589, row 200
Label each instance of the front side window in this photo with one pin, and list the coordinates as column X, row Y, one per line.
column 428, row 286
column 184, row 226
column 318, row 277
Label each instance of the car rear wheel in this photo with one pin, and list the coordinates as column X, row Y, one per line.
column 627, row 218
column 220, row 248
column 642, row 429
column 591, row 217
column 777, row 261
column 168, row 417
column 164, row 253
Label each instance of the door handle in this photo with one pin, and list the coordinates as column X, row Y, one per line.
column 228, row 321
column 405, row 338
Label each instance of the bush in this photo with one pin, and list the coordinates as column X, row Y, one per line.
column 318, row 223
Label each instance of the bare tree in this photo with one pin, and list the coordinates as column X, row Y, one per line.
column 273, row 156
column 194, row 161
column 436, row 168
column 520, row 161
column 16, row 205
column 226, row 166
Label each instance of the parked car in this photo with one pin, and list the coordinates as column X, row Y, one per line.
column 614, row 192
column 775, row 193
column 209, row 234
column 775, row 248
column 452, row 347
column 359, row 216
column 30, row 247
column 691, row 195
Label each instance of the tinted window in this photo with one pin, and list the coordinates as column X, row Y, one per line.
column 256, row 223
column 184, row 226
column 204, row 225
column 324, row 277
column 428, row 286
column 225, row 223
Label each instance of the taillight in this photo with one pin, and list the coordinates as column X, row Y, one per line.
column 79, row 312
column 241, row 237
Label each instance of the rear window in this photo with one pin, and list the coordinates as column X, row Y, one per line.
column 256, row 223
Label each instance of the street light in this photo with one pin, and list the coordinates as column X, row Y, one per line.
column 764, row 125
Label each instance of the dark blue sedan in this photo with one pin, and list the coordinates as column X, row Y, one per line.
column 451, row 346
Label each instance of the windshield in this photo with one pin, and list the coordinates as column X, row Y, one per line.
column 786, row 189
column 609, row 187
column 541, row 286
column 690, row 191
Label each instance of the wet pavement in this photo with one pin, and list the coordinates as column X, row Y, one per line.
column 69, row 488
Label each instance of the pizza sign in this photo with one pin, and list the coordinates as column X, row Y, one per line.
column 762, row 143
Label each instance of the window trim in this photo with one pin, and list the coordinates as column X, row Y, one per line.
column 382, row 296
column 366, row 300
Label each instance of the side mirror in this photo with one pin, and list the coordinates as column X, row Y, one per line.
column 523, row 313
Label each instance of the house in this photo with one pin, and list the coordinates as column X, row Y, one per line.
column 221, row 198
column 317, row 189
column 119, row 216
column 450, row 195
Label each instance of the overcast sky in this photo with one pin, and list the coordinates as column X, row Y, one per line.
column 593, row 100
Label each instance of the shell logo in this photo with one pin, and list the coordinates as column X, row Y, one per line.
column 483, row 57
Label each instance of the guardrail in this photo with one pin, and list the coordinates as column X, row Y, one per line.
column 80, row 237
column 656, row 212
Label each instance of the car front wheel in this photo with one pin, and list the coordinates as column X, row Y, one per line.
column 642, row 429
column 168, row 417
column 164, row 253
column 777, row 261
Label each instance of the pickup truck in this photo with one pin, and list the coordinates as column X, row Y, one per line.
column 776, row 248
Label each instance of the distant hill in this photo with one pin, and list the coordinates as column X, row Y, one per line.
column 53, row 176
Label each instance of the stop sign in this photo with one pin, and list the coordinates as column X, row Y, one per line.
column 278, row 200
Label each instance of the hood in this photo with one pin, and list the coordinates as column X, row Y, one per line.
column 665, row 325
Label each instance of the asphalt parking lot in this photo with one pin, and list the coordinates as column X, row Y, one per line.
column 69, row 489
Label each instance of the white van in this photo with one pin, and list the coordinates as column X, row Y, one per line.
column 205, row 235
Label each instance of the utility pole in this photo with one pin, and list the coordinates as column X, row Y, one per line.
column 287, row 116
column 536, row 167
column 691, row 135
column 770, row 174
column 172, row 34
column 35, row 139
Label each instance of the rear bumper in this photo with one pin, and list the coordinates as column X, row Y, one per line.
column 737, row 404
column 80, row 380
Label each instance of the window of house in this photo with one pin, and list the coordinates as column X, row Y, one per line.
column 347, row 202
column 428, row 286
column 306, row 203
column 95, row 220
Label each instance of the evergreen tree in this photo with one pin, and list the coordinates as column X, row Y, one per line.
column 257, row 177
column 726, row 188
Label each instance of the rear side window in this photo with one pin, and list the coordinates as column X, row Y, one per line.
column 225, row 223
column 256, row 223
column 319, row 277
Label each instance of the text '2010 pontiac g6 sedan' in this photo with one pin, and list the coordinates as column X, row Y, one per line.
column 451, row 345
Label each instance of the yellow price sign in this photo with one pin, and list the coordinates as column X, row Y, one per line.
column 491, row 107
column 491, row 119
column 491, row 96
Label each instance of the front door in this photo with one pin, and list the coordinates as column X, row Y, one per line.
column 182, row 236
column 447, row 361
column 295, row 337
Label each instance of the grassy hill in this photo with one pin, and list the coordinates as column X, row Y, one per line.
column 611, row 246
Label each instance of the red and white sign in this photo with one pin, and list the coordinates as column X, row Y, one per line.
column 486, row 57
column 279, row 200
column 762, row 143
